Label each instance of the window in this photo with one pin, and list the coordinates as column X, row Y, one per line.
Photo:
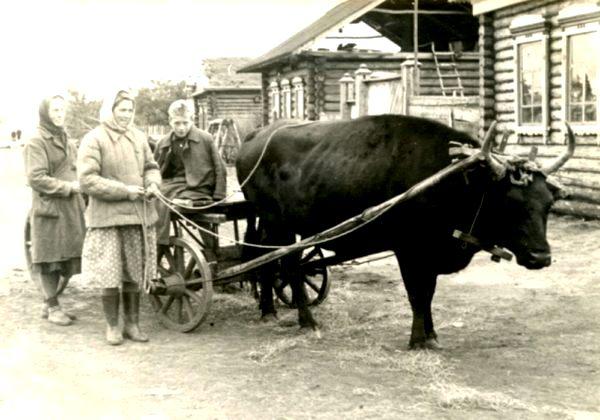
column 530, row 82
column 286, row 96
column 298, row 84
column 582, row 78
column 530, row 37
column 581, row 66
column 275, row 101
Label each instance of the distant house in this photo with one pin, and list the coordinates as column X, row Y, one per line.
column 228, row 94
column 300, row 77
column 540, row 67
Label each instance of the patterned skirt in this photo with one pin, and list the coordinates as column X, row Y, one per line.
column 118, row 254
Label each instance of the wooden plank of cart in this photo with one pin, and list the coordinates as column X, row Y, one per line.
column 193, row 263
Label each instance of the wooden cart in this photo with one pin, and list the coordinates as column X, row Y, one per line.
column 195, row 262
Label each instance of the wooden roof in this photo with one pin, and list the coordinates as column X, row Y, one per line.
column 484, row 6
column 222, row 71
column 441, row 21
column 226, row 89
column 339, row 16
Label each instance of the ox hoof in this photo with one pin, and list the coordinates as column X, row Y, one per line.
column 429, row 344
column 287, row 323
column 311, row 331
column 269, row 318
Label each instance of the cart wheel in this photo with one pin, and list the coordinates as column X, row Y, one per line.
column 316, row 281
column 185, row 310
column 62, row 283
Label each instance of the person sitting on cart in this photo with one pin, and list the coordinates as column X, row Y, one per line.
column 193, row 172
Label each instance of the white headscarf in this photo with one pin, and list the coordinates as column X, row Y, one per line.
column 108, row 105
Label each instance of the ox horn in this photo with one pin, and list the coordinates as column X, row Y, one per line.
column 560, row 161
column 503, row 142
column 498, row 168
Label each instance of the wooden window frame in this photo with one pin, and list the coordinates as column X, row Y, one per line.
column 298, row 88
column 570, row 28
column 526, row 33
column 286, row 99
column 274, row 93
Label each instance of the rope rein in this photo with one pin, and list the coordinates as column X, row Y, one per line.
column 245, row 181
column 146, row 284
column 248, row 244
column 477, row 214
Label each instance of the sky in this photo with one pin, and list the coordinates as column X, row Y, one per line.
column 95, row 46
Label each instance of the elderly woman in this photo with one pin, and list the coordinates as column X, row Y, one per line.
column 117, row 170
column 56, row 216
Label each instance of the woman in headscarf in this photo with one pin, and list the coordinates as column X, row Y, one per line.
column 117, row 170
column 56, row 217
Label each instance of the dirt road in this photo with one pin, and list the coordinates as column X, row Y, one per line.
column 518, row 344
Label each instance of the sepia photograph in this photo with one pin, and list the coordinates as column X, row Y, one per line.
column 300, row 209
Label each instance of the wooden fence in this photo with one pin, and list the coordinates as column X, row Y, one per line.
column 369, row 93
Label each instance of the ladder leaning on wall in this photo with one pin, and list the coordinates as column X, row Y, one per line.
column 447, row 71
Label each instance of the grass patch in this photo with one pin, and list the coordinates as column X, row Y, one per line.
column 266, row 353
column 458, row 397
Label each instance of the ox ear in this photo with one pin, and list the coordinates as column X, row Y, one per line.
column 559, row 191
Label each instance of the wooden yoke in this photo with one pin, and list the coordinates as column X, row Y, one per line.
column 497, row 253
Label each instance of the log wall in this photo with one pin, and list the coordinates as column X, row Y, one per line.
column 582, row 173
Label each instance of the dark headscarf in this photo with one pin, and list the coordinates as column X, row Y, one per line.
column 45, row 121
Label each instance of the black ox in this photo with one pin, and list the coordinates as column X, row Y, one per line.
column 313, row 176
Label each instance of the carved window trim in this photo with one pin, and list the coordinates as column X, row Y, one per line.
column 286, row 99
column 274, row 93
column 298, row 88
column 572, row 25
column 528, row 29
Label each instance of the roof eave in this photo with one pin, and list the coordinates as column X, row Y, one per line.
column 484, row 6
column 259, row 66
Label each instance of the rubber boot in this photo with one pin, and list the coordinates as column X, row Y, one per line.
column 131, row 310
column 110, row 304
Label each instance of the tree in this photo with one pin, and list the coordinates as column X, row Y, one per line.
column 153, row 102
column 82, row 114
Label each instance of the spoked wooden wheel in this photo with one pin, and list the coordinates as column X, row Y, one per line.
column 183, row 307
column 35, row 277
column 316, row 281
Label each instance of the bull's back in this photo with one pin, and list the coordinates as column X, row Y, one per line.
column 324, row 172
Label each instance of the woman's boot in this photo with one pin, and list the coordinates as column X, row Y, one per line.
column 55, row 314
column 131, row 310
column 49, row 284
column 110, row 304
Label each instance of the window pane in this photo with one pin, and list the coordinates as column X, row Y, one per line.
column 576, row 114
column 583, row 77
column 590, row 113
column 590, row 91
column 537, row 114
column 530, row 80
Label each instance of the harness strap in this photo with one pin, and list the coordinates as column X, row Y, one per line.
column 254, row 168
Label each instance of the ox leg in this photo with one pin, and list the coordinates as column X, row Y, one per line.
column 271, row 234
column 420, row 287
column 248, row 253
column 299, row 296
column 267, row 308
